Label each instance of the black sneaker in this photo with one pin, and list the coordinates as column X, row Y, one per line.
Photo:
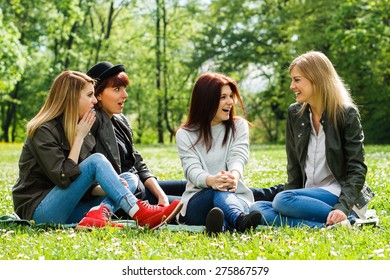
column 248, row 221
column 214, row 221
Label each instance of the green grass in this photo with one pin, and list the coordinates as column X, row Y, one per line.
column 266, row 167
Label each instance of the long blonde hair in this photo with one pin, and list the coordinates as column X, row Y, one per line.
column 328, row 85
column 63, row 99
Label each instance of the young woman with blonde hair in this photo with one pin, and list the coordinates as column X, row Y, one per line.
column 325, row 153
column 57, row 170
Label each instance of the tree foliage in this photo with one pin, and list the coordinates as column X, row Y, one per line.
column 166, row 44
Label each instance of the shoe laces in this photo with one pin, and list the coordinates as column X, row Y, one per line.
column 149, row 206
column 105, row 213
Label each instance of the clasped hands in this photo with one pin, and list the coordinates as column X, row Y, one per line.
column 224, row 181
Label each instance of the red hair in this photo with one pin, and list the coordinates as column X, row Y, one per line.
column 118, row 80
column 205, row 99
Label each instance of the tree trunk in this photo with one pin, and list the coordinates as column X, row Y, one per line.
column 9, row 114
column 158, row 76
column 69, row 44
column 165, row 74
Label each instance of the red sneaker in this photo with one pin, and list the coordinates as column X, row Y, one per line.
column 153, row 215
column 98, row 216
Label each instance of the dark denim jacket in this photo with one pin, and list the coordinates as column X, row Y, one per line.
column 344, row 152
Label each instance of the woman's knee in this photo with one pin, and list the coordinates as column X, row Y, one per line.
column 227, row 197
column 101, row 161
column 131, row 179
column 282, row 201
column 97, row 158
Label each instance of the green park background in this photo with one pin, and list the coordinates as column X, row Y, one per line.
column 166, row 44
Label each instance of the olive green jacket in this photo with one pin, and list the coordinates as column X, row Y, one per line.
column 344, row 152
column 44, row 164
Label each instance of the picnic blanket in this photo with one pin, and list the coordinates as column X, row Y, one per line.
column 13, row 219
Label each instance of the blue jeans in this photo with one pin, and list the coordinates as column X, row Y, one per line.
column 65, row 205
column 296, row 208
column 202, row 202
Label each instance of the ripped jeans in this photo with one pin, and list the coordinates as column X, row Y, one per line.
column 66, row 205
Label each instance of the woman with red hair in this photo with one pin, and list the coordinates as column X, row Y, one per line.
column 213, row 146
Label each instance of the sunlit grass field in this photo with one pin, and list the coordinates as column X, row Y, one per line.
column 266, row 168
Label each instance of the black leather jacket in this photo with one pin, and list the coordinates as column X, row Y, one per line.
column 107, row 145
column 344, row 152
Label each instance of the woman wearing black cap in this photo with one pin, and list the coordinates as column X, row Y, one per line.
column 114, row 135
